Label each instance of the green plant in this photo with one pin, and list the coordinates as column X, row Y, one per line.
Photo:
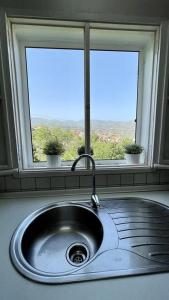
column 35, row 155
column 81, row 150
column 53, row 147
column 133, row 149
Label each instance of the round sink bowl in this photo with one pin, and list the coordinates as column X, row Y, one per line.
column 56, row 240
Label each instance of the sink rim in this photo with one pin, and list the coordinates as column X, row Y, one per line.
column 17, row 257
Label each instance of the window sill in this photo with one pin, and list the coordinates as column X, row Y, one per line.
column 161, row 166
column 100, row 164
column 41, row 172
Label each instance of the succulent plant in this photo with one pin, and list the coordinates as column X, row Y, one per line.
column 133, row 149
column 53, row 147
column 81, row 150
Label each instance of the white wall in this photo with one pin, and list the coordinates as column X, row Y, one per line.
column 138, row 8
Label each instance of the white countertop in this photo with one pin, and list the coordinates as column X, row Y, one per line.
column 13, row 286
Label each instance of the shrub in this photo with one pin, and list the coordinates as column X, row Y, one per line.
column 133, row 149
column 81, row 150
column 53, row 147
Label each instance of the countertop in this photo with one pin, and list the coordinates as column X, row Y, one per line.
column 13, row 286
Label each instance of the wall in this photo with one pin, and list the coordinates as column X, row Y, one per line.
column 146, row 8
column 67, row 181
column 99, row 10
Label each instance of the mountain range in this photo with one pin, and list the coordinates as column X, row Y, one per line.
column 115, row 127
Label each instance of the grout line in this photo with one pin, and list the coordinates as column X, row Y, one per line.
column 133, row 179
column 65, row 182
column 20, row 184
column 50, row 183
column 106, row 180
column 160, row 177
column 79, row 181
column 158, row 172
column 5, row 184
column 120, row 179
column 146, row 179
column 36, row 184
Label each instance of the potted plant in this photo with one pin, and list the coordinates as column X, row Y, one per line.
column 132, row 153
column 53, row 149
column 80, row 151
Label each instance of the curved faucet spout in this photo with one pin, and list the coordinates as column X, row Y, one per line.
column 94, row 197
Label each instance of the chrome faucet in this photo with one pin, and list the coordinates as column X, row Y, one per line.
column 94, row 197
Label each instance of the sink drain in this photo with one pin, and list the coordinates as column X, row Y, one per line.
column 77, row 254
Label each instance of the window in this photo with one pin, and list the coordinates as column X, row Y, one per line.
column 85, row 84
column 114, row 78
column 56, row 92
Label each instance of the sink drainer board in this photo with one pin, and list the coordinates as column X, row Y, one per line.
column 72, row 242
column 143, row 228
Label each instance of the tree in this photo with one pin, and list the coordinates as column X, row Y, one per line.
column 72, row 139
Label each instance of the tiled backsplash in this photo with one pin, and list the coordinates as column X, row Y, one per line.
column 10, row 183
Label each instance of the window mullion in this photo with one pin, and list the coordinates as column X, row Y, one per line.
column 87, row 88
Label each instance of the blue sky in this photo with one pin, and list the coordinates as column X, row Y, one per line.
column 56, row 84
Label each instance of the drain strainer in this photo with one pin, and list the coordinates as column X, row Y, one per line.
column 77, row 254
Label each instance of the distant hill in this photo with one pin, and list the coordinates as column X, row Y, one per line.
column 96, row 125
column 69, row 124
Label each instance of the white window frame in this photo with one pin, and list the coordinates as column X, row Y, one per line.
column 147, row 84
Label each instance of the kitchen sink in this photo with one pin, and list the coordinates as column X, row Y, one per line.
column 58, row 239
column 74, row 242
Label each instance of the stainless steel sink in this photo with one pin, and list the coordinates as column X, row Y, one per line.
column 57, row 240
column 73, row 242
column 61, row 238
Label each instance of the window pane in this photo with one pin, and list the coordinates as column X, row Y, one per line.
column 113, row 81
column 56, row 97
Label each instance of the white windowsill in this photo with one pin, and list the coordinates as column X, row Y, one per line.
column 82, row 171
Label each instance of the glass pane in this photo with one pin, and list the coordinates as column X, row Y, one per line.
column 56, row 97
column 113, row 81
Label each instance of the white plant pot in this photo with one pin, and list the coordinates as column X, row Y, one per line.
column 132, row 159
column 81, row 162
column 53, row 161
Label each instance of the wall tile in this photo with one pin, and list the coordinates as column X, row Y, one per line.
column 12, row 184
column 153, row 178
column 43, row 183
column 72, row 182
column 113, row 180
column 101, row 180
column 2, row 183
column 85, row 181
column 127, row 179
column 28, row 183
column 58, row 182
column 164, row 176
column 139, row 179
